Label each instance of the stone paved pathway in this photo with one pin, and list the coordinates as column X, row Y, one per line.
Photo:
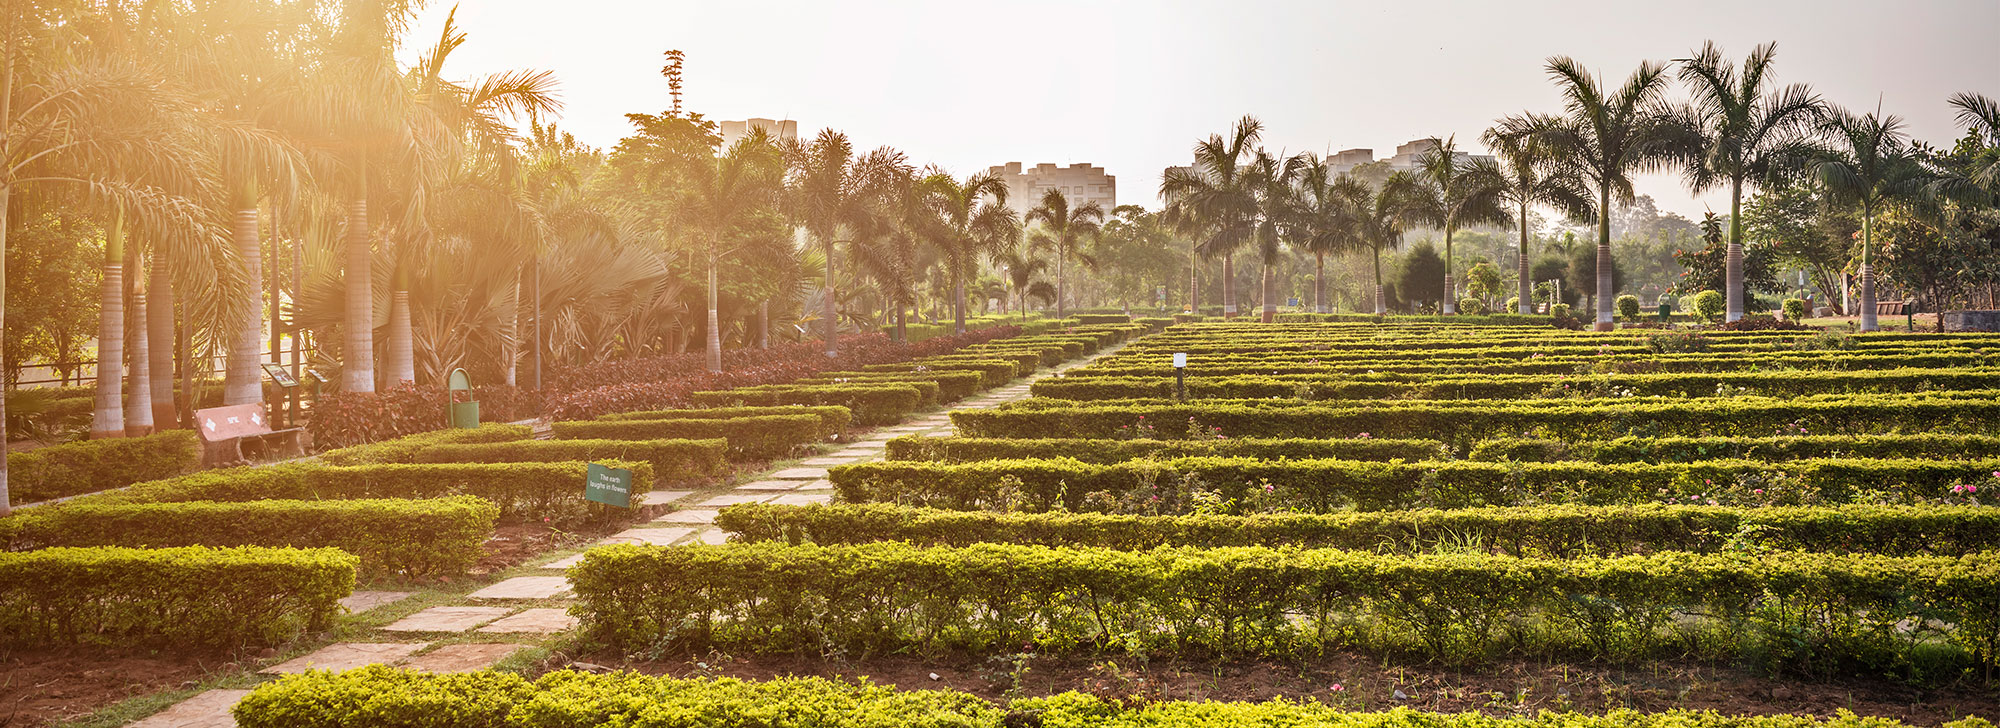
column 486, row 614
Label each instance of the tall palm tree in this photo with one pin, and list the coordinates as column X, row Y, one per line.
column 1870, row 164
column 1273, row 183
column 720, row 195
column 977, row 224
column 1064, row 231
column 1455, row 194
column 1378, row 217
column 1214, row 200
column 1022, row 273
column 829, row 191
column 1323, row 222
column 1981, row 114
column 1608, row 135
column 1527, row 178
column 1752, row 131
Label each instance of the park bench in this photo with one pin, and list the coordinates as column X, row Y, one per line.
column 225, row 431
column 1891, row 308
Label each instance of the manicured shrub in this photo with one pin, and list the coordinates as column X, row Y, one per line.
column 952, row 385
column 60, row 471
column 1313, row 387
column 1471, row 306
column 1795, row 309
column 1707, row 305
column 180, row 597
column 399, row 537
column 677, row 459
column 1805, row 611
column 872, row 404
column 1766, row 449
column 973, row 449
column 404, row 449
column 1563, row 531
column 1628, row 307
column 762, row 437
column 834, row 420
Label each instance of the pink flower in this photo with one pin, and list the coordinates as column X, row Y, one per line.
column 1268, row 488
column 1972, row 489
column 1337, row 688
column 1759, row 491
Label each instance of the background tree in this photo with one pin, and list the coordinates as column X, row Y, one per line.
column 1214, row 200
column 1529, row 176
column 1422, row 279
column 977, row 225
column 1063, row 231
column 1870, row 165
column 1273, row 184
column 1705, row 268
column 1378, row 217
column 1323, row 223
column 828, row 192
column 1455, row 194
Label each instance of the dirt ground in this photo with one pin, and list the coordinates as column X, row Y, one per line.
column 1360, row 682
column 42, row 687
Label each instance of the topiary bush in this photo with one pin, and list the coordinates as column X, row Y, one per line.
column 1707, row 305
column 1795, row 309
column 1628, row 307
column 60, row 471
column 215, row 598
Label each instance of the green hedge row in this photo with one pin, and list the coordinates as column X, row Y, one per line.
column 393, row 537
column 522, row 491
column 1464, row 421
column 953, row 385
column 872, row 404
column 60, row 471
column 834, row 419
column 1561, row 531
column 973, row 449
column 174, row 597
column 384, row 697
column 676, row 459
column 758, row 437
column 1488, row 386
column 1319, row 486
column 1148, row 365
column 404, row 449
column 1768, row 449
column 1813, row 611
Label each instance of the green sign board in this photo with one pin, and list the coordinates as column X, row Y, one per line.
column 610, row 486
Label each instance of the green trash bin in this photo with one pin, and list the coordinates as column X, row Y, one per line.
column 464, row 410
column 1666, row 312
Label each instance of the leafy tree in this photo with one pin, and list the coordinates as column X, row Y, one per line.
column 1422, row 278
column 1870, row 165
column 1940, row 259
column 1455, row 193
column 1482, row 281
column 53, row 270
column 1214, row 201
column 1323, row 223
column 976, row 224
column 1583, row 272
column 1064, row 231
column 1706, row 269
column 831, row 193
column 1529, row 176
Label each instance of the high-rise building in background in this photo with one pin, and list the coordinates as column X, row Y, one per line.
column 779, row 131
column 1405, row 160
column 1081, row 182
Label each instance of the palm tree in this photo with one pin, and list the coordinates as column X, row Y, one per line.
column 1273, row 183
column 1064, row 231
column 1022, row 272
column 1377, row 218
column 1528, row 177
column 1455, row 194
column 1982, row 115
column 1322, row 222
column 1870, row 164
column 828, row 193
column 1751, row 131
column 976, row 224
column 1608, row 135
column 1214, row 200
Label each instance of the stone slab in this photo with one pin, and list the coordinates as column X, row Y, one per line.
column 714, row 536
column 803, row 499
column 525, row 587
column 939, row 433
column 696, row 516
column 346, row 656
column 800, row 473
column 828, row 460
column 815, row 486
column 460, row 658
column 769, row 485
column 447, row 619
column 643, row 536
column 363, row 601
column 207, row 710
column 563, row 563
column 537, row 621
column 730, row 499
column 663, row 497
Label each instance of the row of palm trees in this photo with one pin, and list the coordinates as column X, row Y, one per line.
column 1739, row 130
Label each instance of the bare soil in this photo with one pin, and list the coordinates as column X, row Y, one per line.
column 1363, row 683
column 43, row 687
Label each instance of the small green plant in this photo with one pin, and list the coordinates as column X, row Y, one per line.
column 1795, row 309
column 1628, row 308
column 1707, row 305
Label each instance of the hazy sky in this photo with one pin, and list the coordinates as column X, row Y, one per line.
column 1130, row 86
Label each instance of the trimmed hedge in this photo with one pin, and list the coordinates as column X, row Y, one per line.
column 1767, row 449
column 393, row 537
column 175, row 597
column 760, row 437
column 872, row 404
column 404, row 449
column 1488, row 386
column 973, row 449
column 1562, row 531
column 522, row 491
column 678, row 459
column 383, row 697
column 87, row 466
column 1321, row 486
column 835, row 418
column 1829, row 614
column 952, row 385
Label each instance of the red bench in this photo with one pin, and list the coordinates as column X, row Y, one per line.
column 225, row 430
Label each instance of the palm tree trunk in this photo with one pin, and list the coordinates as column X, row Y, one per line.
column 6, row 191
column 958, row 305
column 1733, row 269
column 1527, row 303
column 1269, row 289
column 1604, row 262
column 714, row 348
column 1059, row 283
column 240, row 383
column 1319, row 282
column 1450, row 290
column 510, row 337
column 402, row 338
column 358, row 365
column 1868, row 322
column 160, row 349
column 1194, row 285
column 902, row 330
column 1381, row 302
column 1228, row 286
column 827, row 312
column 108, row 419
column 764, row 324
column 139, row 410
